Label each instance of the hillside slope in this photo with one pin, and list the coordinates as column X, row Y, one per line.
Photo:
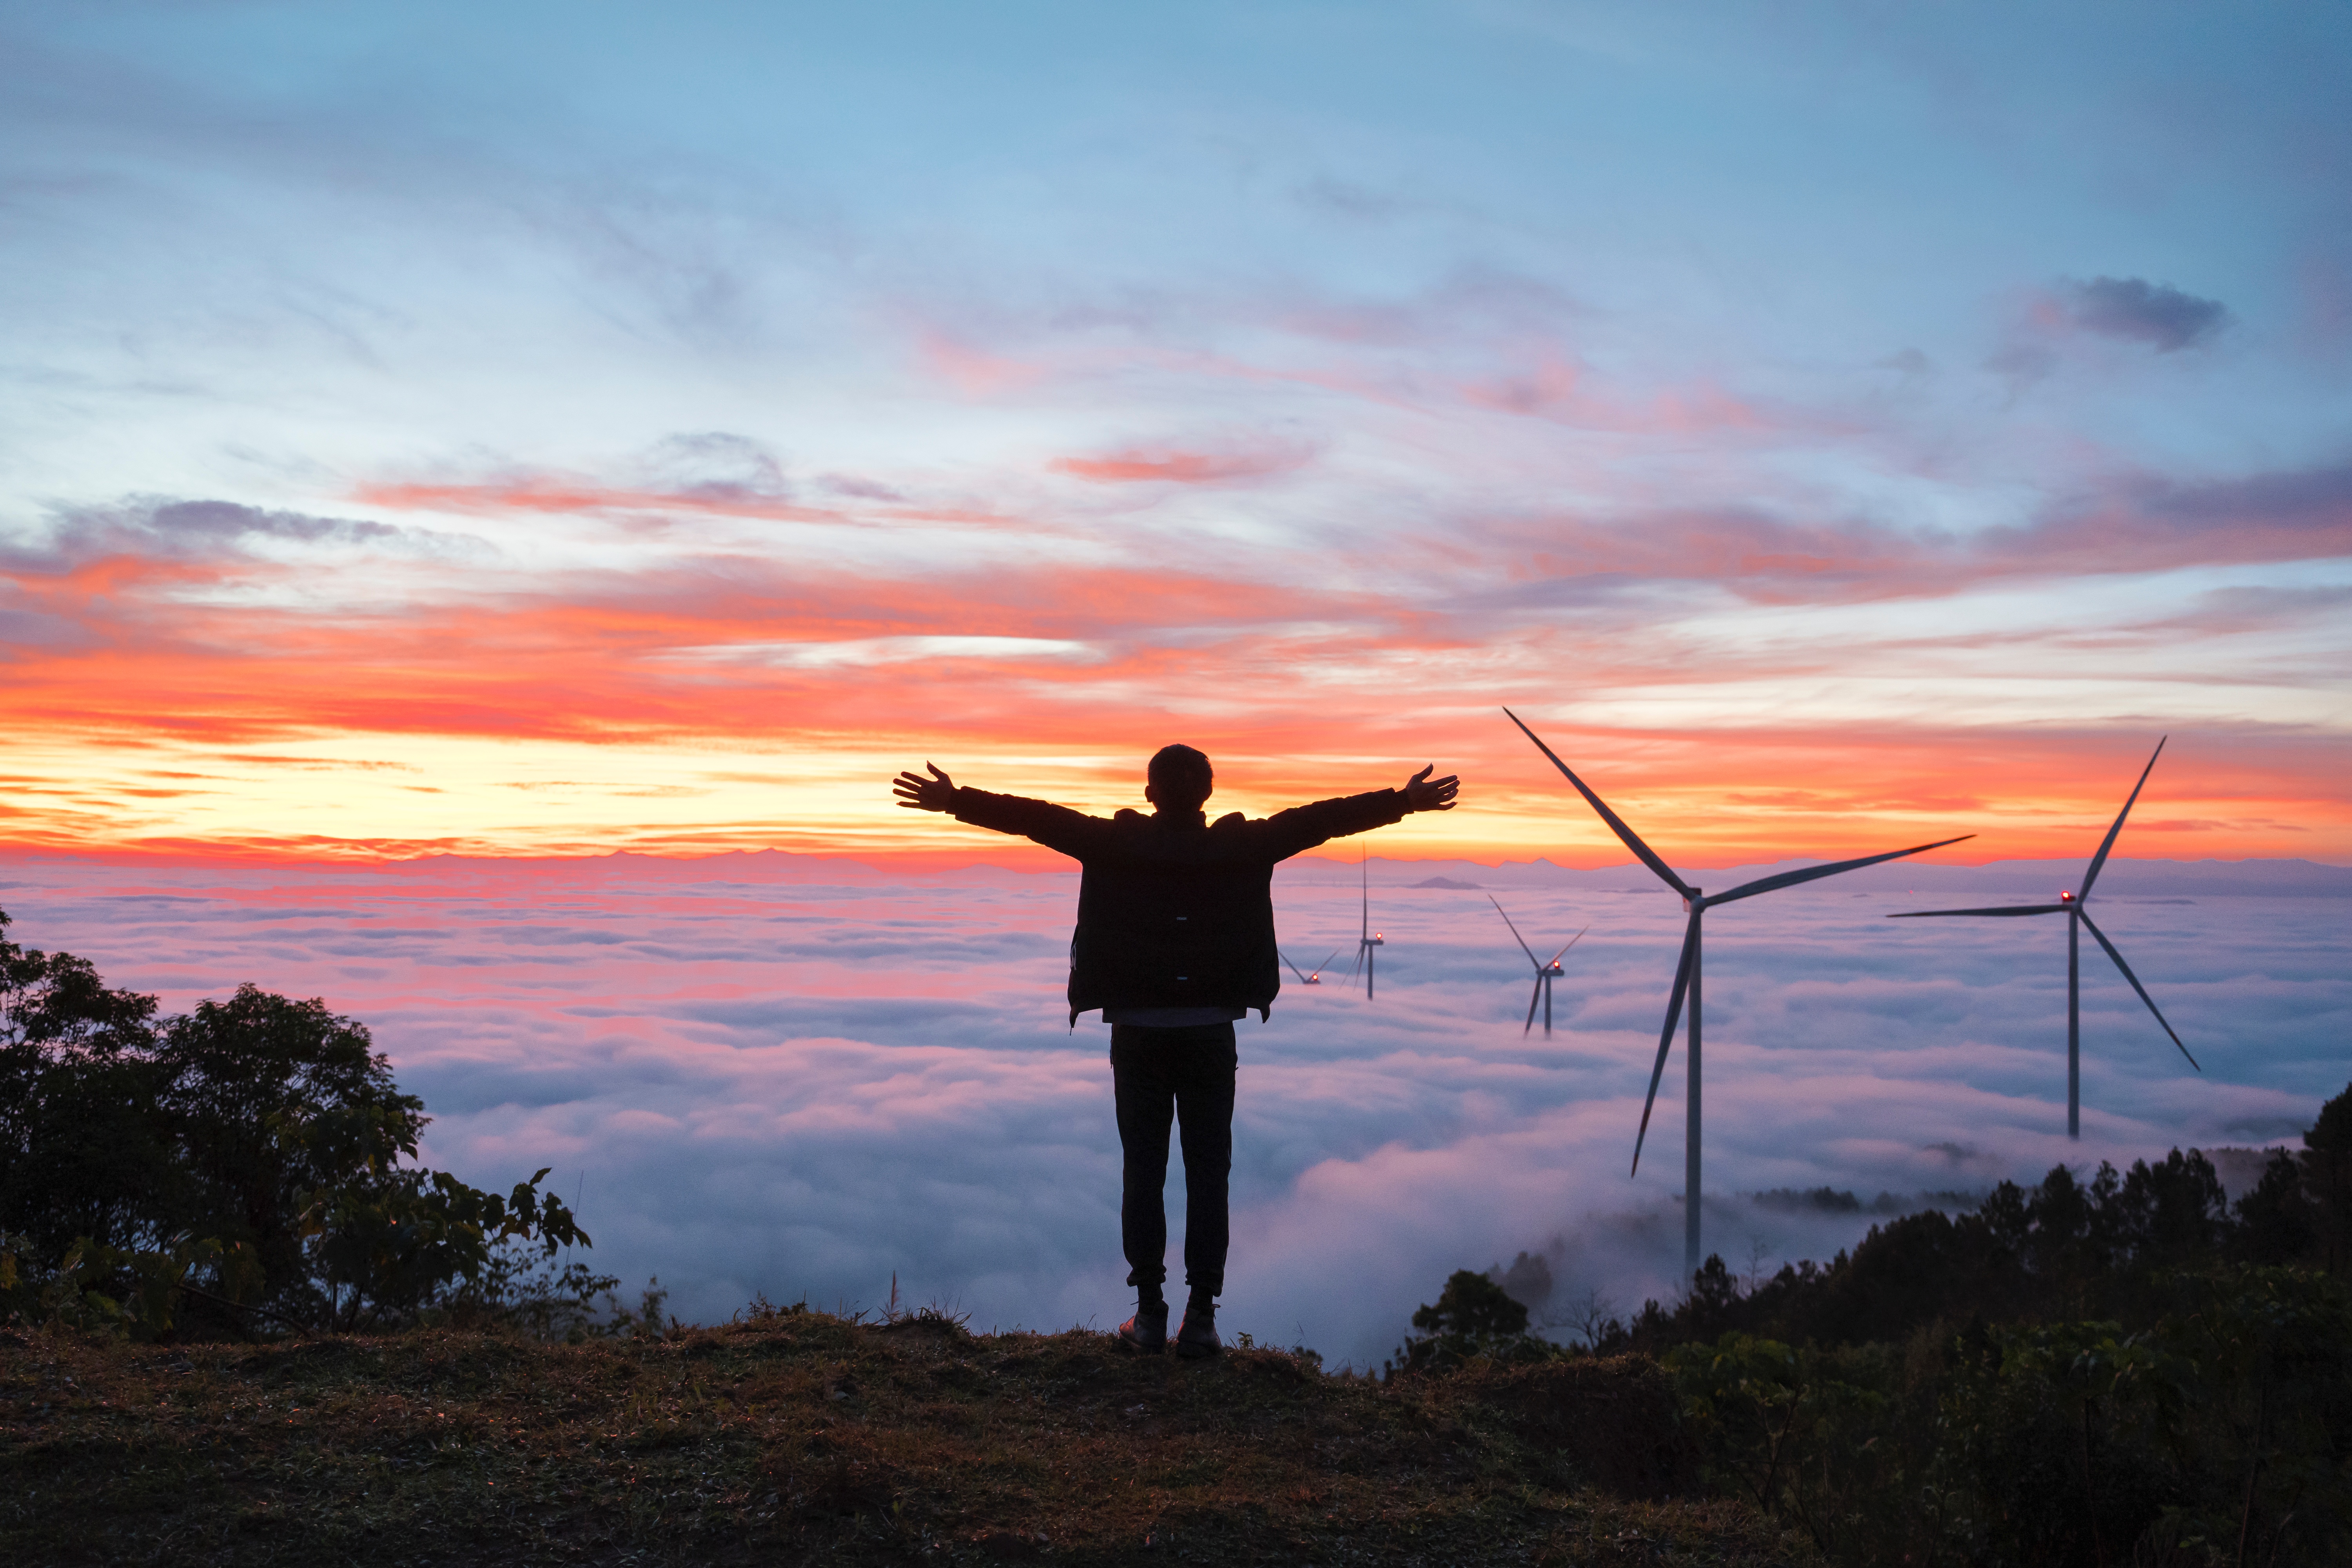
column 798, row 1437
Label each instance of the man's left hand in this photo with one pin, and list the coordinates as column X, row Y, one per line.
column 917, row 793
column 1423, row 792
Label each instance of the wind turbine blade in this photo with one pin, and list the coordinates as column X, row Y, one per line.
column 1514, row 933
column 1563, row 951
column 1327, row 962
column 2135, row 985
column 2100, row 859
column 1533, row 997
column 1293, row 968
column 1632, row 839
column 1667, row 1036
column 1364, row 869
column 2003, row 910
column 1814, row 873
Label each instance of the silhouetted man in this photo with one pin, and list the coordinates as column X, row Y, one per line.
column 1175, row 942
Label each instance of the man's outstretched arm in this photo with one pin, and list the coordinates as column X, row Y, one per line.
column 1055, row 826
column 1305, row 826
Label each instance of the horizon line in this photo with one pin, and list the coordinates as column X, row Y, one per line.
column 1040, row 862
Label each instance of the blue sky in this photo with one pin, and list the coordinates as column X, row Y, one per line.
column 1783, row 199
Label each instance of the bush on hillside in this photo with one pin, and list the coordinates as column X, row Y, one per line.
column 2219, row 1432
column 1472, row 1318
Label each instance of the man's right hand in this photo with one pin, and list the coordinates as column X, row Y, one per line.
column 917, row 793
column 1423, row 792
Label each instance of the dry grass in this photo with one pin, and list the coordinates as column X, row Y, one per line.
column 804, row 1438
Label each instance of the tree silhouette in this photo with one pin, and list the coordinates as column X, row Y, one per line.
column 238, row 1165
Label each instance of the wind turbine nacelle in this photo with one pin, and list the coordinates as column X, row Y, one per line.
column 2065, row 898
column 1554, row 968
column 1374, row 940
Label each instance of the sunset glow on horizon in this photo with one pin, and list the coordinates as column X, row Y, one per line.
column 710, row 417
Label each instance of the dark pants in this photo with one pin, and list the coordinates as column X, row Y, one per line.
column 1189, row 1073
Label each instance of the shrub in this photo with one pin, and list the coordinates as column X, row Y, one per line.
column 1472, row 1318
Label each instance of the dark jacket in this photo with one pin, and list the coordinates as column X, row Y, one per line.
column 1176, row 911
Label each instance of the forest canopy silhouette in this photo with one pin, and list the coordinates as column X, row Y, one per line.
column 2129, row 1368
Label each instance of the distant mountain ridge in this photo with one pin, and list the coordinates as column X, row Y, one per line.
column 2032, row 879
column 2028, row 880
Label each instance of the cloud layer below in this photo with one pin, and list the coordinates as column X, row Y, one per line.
column 798, row 1076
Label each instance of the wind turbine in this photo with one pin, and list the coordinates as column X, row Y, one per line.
column 1686, row 976
column 1313, row 976
column 2078, row 917
column 1371, row 939
column 1545, row 969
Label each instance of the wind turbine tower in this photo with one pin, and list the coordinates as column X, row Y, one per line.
column 2078, row 918
column 1370, row 938
column 1546, row 968
column 1686, row 976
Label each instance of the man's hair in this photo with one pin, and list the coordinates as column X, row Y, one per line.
column 1181, row 778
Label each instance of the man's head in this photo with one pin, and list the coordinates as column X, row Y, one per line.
column 1181, row 779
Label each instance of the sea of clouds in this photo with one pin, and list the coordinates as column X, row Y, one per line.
column 802, row 1076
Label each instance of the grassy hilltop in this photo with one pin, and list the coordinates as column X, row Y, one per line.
column 798, row 1437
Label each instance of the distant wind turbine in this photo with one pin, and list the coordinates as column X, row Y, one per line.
column 1687, row 977
column 1371, row 939
column 2078, row 917
column 1545, row 969
column 1313, row 976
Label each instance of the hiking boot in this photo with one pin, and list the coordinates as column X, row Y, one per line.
column 1198, row 1335
column 1147, row 1331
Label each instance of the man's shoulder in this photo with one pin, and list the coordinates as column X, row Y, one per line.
column 1150, row 839
column 1129, row 828
column 1233, row 822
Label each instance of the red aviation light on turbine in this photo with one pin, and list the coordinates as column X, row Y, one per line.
column 2065, row 898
